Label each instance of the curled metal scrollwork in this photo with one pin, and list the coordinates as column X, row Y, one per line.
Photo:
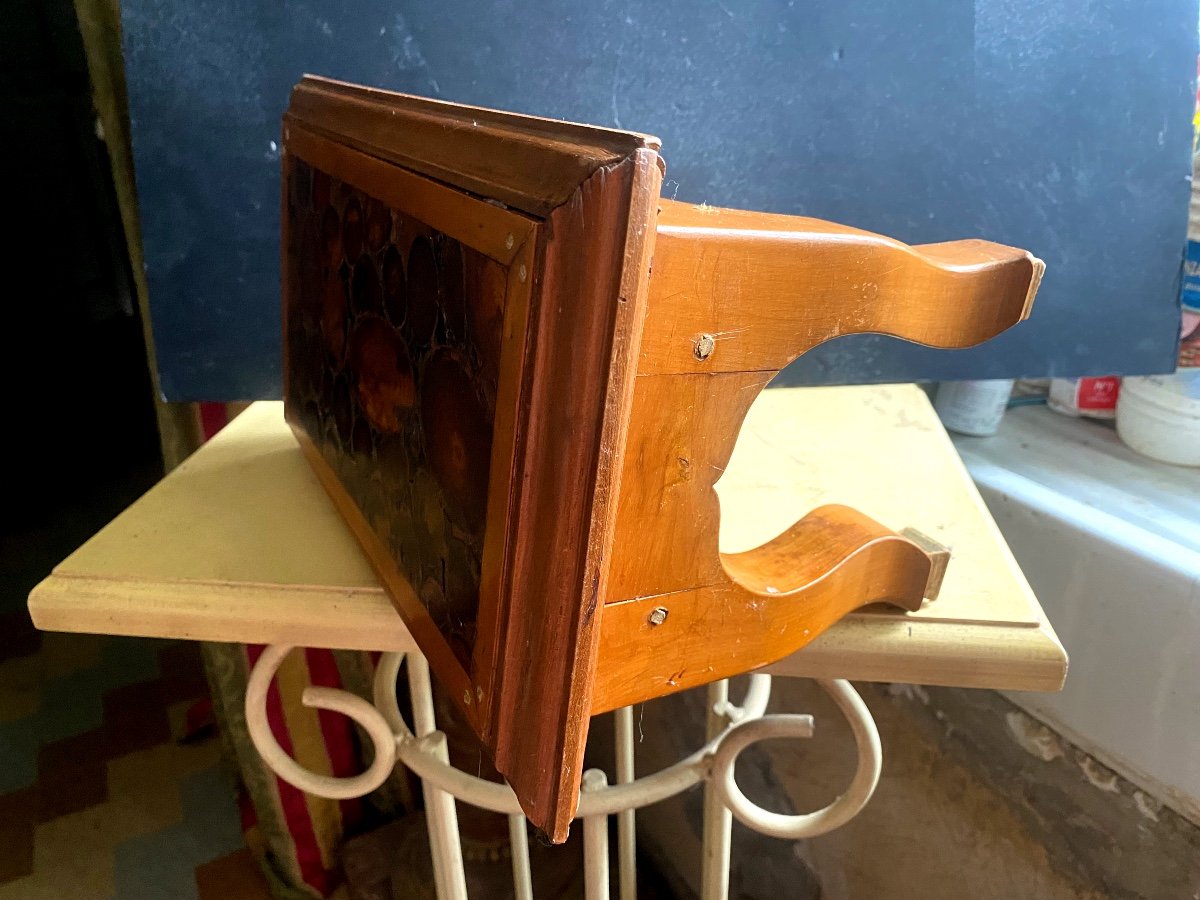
column 421, row 750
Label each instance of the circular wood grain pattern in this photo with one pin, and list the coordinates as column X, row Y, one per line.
column 379, row 225
column 486, row 287
column 342, row 410
column 458, row 436
column 362, row 440
column 379, row 359
column 454, row 291
column 422, row 292
column 394, row 291
column 334, row 309
column 366, row 292
column 353, row 228
column 393, row 335
column 331, row 238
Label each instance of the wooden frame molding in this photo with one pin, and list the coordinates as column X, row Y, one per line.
column 572, row 230
column 591, row 414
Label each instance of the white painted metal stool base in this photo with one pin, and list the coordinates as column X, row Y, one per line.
column 731, row 729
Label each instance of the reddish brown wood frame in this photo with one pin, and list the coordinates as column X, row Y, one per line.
column 618, row 402
column 567, row 209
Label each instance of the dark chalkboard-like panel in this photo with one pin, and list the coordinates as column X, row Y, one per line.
column 1061, row 127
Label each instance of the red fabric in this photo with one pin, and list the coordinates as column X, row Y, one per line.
column 338, row 732
column 213, row 417
column 199, row 718
column 295, row 809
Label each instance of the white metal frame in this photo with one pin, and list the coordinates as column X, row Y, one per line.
column 422, row 748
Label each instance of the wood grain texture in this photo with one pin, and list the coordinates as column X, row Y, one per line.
column 777, row 598
column 508, row 428
column 241, row 543
column 734, row 297
column 526, row 162
column 769, row 288
column 588, row 309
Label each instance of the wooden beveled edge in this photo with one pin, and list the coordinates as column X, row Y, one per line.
column 861, row 647
column 970, row 655
column 421, row 626
column 501, row 480
column 509, row 238
column 530, row 163
column 584, row 181
column 482, row 226
column 586, row 320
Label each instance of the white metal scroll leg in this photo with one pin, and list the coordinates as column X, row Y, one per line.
column 730, row 730
column 718, row 821
column 441, row 818
column 836, row 814
column 595, row 842
column 518, row 838
column 626, row 823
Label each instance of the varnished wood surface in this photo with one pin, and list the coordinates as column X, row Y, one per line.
column 770, row 287
column 588, row 307
column 734, row 297
column 241, row 543
column 526, row 162
column 507, row 443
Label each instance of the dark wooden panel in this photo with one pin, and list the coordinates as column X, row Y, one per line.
column 394, row 333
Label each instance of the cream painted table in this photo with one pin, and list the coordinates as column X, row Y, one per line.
column 240, row 543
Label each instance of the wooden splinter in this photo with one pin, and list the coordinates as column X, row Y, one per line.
column 532, row 473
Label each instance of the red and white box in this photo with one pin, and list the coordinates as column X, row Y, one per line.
column 1095, row 398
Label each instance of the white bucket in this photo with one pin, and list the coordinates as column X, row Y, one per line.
column 1159, row 416
column 973, row 407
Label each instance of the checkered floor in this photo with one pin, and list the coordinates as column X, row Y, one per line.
column 110, row 786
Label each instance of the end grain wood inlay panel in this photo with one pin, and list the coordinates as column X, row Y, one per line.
column 519, row 373
column 395, row 335
column 464, row 293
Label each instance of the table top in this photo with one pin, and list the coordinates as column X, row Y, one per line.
column 240, row 543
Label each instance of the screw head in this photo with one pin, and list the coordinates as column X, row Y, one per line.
column 508, row 242
column 705, row 344
column 658, row 615
column 522, row 273
column 467, row 697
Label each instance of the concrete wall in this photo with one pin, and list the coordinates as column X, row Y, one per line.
column 977, row 800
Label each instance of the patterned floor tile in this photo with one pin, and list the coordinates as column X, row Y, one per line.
column 135, row 717
column 162, row 866
column 182, row 671
column 72, row 774
column 21, row 682
column 19, row 813
column 18, row 637
column 99, row 796
column 234, row 875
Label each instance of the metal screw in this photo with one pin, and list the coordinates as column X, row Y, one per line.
column 479, row 694
column 705, row 345
column 508, row 242
column 522, row 274
column 658, row 615
column 467, row 697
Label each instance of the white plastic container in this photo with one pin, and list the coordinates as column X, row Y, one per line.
column 1159, row 416
column 973, row 407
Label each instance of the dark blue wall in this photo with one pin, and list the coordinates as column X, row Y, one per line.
column 1062, row 127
